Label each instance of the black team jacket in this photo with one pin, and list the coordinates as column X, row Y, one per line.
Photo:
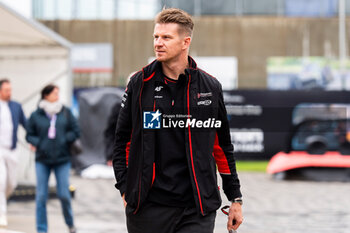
column 205, row 147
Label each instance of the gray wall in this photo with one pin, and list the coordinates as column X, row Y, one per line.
column 251, row 39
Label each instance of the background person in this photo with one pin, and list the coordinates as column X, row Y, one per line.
column 51, row 130
column 11, row 115
column 109, row 132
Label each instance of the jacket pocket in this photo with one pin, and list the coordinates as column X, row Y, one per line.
column 43, row 149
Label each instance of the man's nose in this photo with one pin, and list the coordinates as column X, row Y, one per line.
column 158, row 42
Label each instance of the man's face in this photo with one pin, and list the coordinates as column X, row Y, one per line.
column 168, row 42
column 5, row 91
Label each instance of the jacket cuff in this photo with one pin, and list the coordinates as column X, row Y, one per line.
column 236, row 193
column 34, row 141
column 121, row 187
column 231, row 187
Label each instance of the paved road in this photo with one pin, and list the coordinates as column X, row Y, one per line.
column 269, row 207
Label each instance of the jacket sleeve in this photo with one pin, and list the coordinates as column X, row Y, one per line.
column 223, row 153
column 23, row 119
column 73, row 131
column 122, row 137
column 32, row 136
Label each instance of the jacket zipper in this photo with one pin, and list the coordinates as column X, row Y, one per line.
column 140, row 175
column 138, row 201
column 190, row 143
column 154, row 164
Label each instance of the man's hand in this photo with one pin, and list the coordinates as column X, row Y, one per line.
column 124, row 200
column 109, row 163
column 235, row 217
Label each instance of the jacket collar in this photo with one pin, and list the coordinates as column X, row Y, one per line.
column 154, row 69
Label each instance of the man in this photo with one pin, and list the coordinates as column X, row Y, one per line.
column 11, row 115
column 173, row 113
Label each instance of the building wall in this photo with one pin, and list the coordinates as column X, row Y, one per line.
column 251, row 39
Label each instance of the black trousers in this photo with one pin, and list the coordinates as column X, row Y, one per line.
column 155, row 218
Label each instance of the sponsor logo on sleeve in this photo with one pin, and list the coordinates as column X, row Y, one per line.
column 124, row 99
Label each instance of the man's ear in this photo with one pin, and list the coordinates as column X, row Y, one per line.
column 187, row 42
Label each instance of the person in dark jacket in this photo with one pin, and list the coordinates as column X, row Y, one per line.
column 11, row 115
column 51, row 130
column 174, row 117
column 109, row 132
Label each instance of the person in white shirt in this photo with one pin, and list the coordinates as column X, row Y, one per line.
column 11, row 115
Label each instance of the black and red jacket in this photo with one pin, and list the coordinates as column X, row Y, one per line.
column 205, row 148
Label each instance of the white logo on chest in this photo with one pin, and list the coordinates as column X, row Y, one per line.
column 204, row 102
column 159, row 88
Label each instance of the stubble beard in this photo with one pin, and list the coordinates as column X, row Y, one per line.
column 162, row 58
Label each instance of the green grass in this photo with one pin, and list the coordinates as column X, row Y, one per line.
column 251, row 166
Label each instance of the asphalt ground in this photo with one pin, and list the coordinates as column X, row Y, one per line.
column 270, row 206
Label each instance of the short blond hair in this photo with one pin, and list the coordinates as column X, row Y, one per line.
column 180, row 17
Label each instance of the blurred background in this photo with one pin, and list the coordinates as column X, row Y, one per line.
column 283, row 65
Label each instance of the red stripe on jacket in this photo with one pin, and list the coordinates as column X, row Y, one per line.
column 220, row 158
column 149, row 78
column 190, row 144
column 127, row 150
